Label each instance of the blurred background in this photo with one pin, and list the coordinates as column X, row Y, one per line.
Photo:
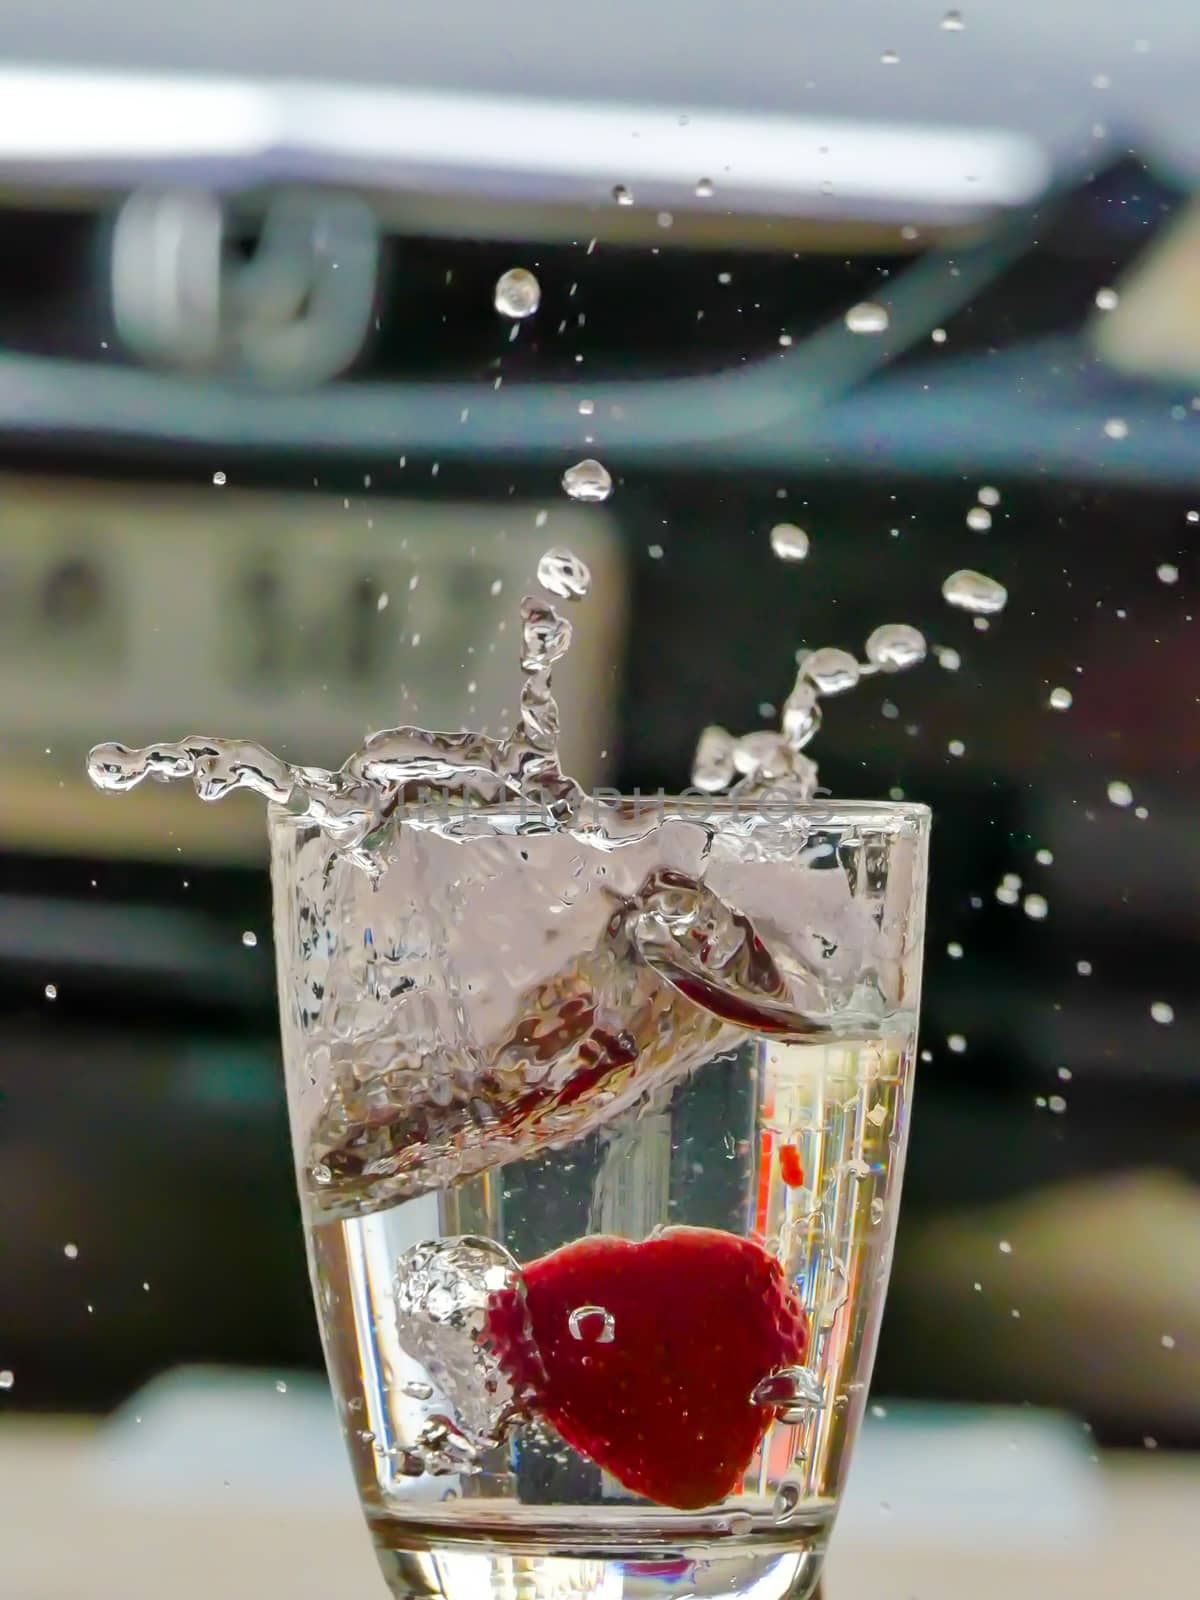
column 272, row 465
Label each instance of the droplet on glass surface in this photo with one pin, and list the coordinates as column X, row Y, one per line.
column 704, row 189
column 979, row 519
column 867, row 317
column 564, row 574
column 895, row 646
column 518, row 293
column 789, row 542
column 957, row 1043
column 250, row 939
column 592, row 1325
column 1036, row 907
column 1168, row 572
column 1116, row 428
column 1061, row 699
column 713, row 766
column 588, row 480
column 831, row 671
column 1119, row 793
column 789, row 1389
column 1107, row 299
column 622, row 194
column 1163, row 1012
column 975, row 592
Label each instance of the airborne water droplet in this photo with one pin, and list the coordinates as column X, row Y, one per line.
column 1060, row 700
column 831, row 671
column 416, row 1390
column 249, row 939
column 1162, row 1012
column 1119, row 793
column 1036, row 907
column 713, row 764
column 622, row 195
column 975, row 592
column 564, row 574
column 988, row 495
column 895, row 646
column 518, row 294
column 979, row 519
column 1107, row 299
column 789, row 542
column 867, row 317
column 1117, row 428
column 952, row 22
column 704, row 189
column 587, row 480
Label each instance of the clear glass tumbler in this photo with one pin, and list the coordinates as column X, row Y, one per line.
column 599, row 1134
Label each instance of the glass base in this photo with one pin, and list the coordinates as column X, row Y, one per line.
column 719, row 1571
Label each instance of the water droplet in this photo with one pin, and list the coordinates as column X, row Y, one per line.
column 1004, row 1247
column 954, row 950
column 867, row 317
column 713, row 766
column 1119, row 793
column 952, row 22
column 956, row 747
column 6, row 1379
column 947, row 658
column 219, row 479
column 790, row 1389
column 564, row 574
column 587, row 480
column 890, row 58
column 704, row 189
column 876, row 1211
column 831, row 671
column 789, row 542
column 665, row 219
column 1117, row 428
column 1056, row 1104
column 622, row 195
column 592, row 1325
column 1167, row 1341
column 938, row 335
column 895, row 646
column 587, row 408
column 71, row 1251
column 416, row 1390
column 1044, row 858
column 878, row 1410
column 1167, row 573
column 979, row 518
column 1163, row 1012
column 801, row 715
column 957, row 1043
column 975, row 592
column 1107, row 299
column 518, row 294
column 1065, row 1074
column 249, row 939
column 1036, row 907
column 51, row 991
column 988, row 495
column 1084, row 968
column 787, row 1499
column 281, row 1387
column 1061, row 700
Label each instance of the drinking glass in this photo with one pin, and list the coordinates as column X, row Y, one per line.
column 599, row 1132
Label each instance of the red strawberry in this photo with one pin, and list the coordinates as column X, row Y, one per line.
column 644, row 1356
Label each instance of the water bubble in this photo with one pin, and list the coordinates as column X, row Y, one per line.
column 1162, row 1011
column 947, row 658
column 867, row 317
column 1060, row 699
column 281, row 1387
column 593, row 1324
column 1119, row 793
column 1084, row 968
column 71, row 1251
column 1065, row 1074
column 790, row 1389
column 787, row 1499
column 622, row 195
column 952, row 22
column 51, row 991
column 938, row 336
column 518, row 294
column 956, row 747
column 6, row 1379
column 1117, row 428
column 587, row 480
column 220, row 479
column 988, row 495
column 831, row 671
column 789, row 542
column 713, row 766
column 1167, row 573
column 1005, row 1248
column 564, row 574
column 895, row 646
column 954, row 950
column 249, row 939
column 979, row 518
column 1167, row 1341
column 1107, row 299
column 1056, row 1104
column 1036, row 907
column 1044, row 858
column 704, row 189
column 957, row 1043
column 975, row 592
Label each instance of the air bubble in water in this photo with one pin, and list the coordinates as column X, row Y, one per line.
column 622, row 195
column 51, row 991
column 588, row 480
column 952, row 22
column 1162, row 1012
column 6, row 1379
column 1107, row 299
column 704, row 189
column 713, row 766
column 867, row 317
column 975, row 592
column 219, row 479
column 71, row 1251
column 564, row 574
column 988, row 495
column 518, row 294
column 442, row 1290
column 789, row 542
column 1061, row 700
column 592, row 1325
column 249, row 939
column 831, row 671
column 957, row 1043
column 1117, row 428
column 979, row 519
column 895, row 646
column 948, row 659
column 1036, row 907
column 791, row 1389
column 1119, row 793
column 1167, row 573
